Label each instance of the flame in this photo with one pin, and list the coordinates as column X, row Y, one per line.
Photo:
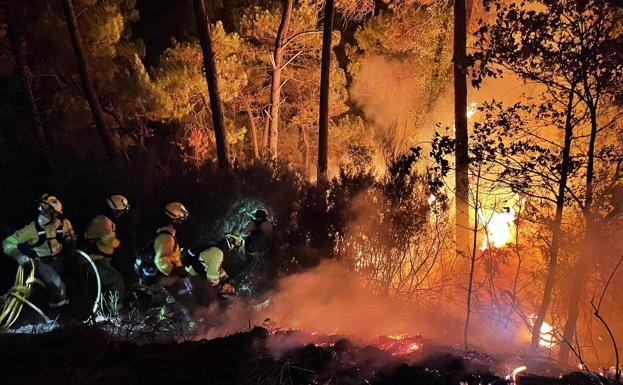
column 498, row 227
column 547, row 334
column 471, row 109
column 431, row 199
column 516, row 371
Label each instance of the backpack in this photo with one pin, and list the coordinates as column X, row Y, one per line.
column 145, row 265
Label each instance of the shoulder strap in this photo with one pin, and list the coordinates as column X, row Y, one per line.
column 41, row 233
column 58, row 233
column 167, row 232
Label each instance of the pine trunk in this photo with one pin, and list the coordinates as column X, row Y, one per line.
column 254, row 145
column 556, row 228
column 103, row 131
column 460, row 122
column 209, row 64
column 323, row 122
column 583, row 265
column 275, row 86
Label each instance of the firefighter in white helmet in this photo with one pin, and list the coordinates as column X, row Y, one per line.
column 166, row 247
column 102, row 243
column 41, row 243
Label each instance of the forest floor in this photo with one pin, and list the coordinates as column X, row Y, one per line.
column 88, row 354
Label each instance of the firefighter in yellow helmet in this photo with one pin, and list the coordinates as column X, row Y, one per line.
column 41, row 243
column 166, row 247
column 102, row 242
column 207, row 261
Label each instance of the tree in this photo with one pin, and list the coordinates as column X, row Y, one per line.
column 538, row 42
column 596, row 24
column 275, row 86
column 460, row 124
column 101, row 125
column 323, row 121
column 203, row 30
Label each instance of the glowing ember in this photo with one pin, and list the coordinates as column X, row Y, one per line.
column 498, row 227
column 398, row 345
column 431, row 199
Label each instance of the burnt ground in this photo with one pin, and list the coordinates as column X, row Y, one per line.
column 90, row 355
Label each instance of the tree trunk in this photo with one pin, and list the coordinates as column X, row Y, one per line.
column 556, row 228
column 209, row 64
column 305, row 143
column 470, row 286
column 323, row 121
column 583, row 265
column 247, row 108
column 23, row 72
column 468, row 12
column 275, row 86
column 101, row 126
column 460, row 123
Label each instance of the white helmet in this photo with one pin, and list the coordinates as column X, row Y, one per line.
column 176, row 211
column 49, row 204
column 118, row 203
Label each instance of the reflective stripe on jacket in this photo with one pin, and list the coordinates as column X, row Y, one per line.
column 43, row 240
column 211, row 259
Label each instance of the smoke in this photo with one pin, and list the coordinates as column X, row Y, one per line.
column 390, row 95
column 331, row 300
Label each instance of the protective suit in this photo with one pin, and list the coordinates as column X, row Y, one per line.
column 102, row 238
column 166, row 250
column 42, row 241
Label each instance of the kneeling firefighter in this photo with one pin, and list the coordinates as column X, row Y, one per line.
column 206, row 262
column 42, row 242
column 101, row 236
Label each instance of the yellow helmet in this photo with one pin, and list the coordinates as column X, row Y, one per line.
column 118, row 203
column 176, row 211
column 233, row 241
column 50, row 204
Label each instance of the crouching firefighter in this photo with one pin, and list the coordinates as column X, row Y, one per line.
column 42, row 243
column 102, row 244
column 163, row 257
column 207, row 263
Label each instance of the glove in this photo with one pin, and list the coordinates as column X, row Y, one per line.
column 228, row 289
column 178, row 271
column 23, row 260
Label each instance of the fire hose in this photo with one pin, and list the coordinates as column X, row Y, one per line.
column 21, row 290
column 18, row 296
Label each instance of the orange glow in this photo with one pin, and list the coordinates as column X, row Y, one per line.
column 499, row 228
column 547, row 340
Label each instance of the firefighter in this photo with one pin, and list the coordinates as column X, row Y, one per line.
column 166, row 248
column 41, row 243
column 101, row 235
column 259, row 223
column 206, row 262
column 257, row 239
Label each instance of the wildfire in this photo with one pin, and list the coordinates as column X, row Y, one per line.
column 498, row 227
column 547, row 334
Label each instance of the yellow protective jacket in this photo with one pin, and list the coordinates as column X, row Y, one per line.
column 211, row 259
column 102, row 232
column 166, row 250
column 45, row 240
